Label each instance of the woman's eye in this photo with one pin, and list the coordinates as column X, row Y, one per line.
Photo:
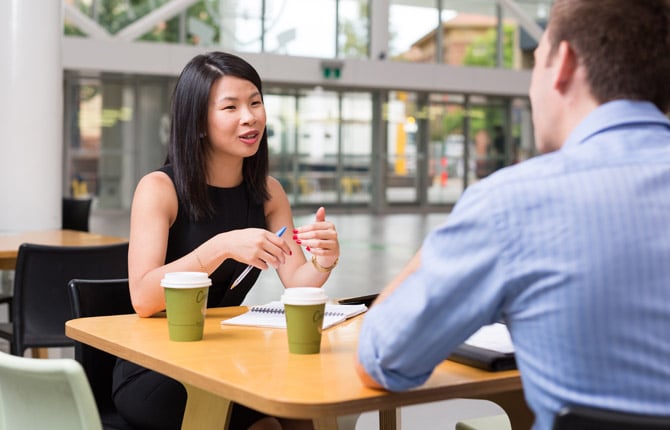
column 229, row 107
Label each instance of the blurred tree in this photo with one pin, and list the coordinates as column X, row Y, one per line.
column 114, row 15
column 353, row 35
column 482, row 52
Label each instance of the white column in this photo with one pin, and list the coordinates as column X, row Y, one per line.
column 31, row 114
column 379, row 29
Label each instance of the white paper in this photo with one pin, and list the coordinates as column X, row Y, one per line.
column 272, row 315
column 495, row 337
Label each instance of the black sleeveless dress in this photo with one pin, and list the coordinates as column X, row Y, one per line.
column 147, row 399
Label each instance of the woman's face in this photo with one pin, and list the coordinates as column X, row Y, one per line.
column 236, row 117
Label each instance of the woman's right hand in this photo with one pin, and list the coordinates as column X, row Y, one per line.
column 255, row 246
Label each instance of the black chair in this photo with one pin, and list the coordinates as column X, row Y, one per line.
column 6, row 330
column 6, row 299
column 91, row 298
column 76, row 213
column 584, row 418
column 41, row 306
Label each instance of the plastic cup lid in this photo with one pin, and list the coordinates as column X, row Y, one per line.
column 304, row 296
column 186, row 280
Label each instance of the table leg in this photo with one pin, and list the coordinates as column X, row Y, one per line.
column 205, row 410
column 39, row 352
column 325, row 423
column 389, row 419
column 346, row 422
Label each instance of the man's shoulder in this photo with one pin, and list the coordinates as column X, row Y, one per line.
column 530, row 172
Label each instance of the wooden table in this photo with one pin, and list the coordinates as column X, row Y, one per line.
column 10, row 242
column 252, row 366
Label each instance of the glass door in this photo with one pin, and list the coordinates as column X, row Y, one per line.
column 447, row 148
column 402, row 143
column 117, row 131
column 320, row 146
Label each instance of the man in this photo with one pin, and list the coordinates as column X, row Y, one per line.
column 571, row 248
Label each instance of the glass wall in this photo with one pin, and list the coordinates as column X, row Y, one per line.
column 403, row 153
column 314, row 28
column 347, row 147
column 117, row 130
column 463, row 32
column 455, row 32
column 355, row 150
column 320, row 141
column 320, row 145
column 447, row 161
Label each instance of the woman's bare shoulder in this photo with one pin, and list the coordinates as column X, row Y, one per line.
column 278, row 199
column 156, row 181
column 155, row 194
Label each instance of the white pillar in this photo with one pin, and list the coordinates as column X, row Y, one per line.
column 31, row 114
column 379, row 29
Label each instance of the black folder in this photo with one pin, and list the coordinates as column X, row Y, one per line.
column 483, row 358
column 359, row 300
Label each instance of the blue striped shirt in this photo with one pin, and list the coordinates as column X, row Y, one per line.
column 572, row 250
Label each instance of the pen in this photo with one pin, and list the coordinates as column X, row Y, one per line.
column 246, row 271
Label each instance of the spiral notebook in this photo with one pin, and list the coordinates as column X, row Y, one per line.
column 272, row 315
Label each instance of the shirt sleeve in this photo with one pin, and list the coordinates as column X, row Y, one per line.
column 456, row 290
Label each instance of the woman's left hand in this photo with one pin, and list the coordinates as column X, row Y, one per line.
column 319, row 238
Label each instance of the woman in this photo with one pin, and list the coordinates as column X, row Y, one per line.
column 213, row 208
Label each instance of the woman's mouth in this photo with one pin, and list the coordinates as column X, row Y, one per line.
column 249, row 138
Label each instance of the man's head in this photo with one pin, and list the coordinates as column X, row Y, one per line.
column 596, row 52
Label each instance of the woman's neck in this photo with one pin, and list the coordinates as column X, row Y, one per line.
column 224, row 173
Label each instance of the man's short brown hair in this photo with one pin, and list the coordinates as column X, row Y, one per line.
column 623, row 44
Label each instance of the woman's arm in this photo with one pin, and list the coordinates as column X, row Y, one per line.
column 409, row 268
column 319, row 238
column 153, row 212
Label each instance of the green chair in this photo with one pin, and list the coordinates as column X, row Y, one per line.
column 494, row 422
column 45, row 393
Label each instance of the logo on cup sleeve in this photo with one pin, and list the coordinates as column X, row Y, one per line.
column 317, row 317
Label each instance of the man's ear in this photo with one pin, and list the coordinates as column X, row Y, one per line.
column 566, row 66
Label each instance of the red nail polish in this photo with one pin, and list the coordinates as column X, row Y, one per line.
column 298, row 241
column 307, row 248
column 295, row 237
column 295, row 231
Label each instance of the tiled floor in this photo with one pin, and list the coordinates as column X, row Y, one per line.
column 373, row 250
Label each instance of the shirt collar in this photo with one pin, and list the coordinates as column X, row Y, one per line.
column 614, row 114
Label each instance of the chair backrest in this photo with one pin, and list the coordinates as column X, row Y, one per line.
column 37, row 393
column 584, row 418
column 76, row 213
column 41, row 305
column 92, row 298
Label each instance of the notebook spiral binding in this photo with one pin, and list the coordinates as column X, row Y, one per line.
column 275, row 310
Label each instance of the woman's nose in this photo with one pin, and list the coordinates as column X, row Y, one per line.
column 248, row 116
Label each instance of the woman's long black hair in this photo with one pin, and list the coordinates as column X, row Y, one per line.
column 189, row 148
